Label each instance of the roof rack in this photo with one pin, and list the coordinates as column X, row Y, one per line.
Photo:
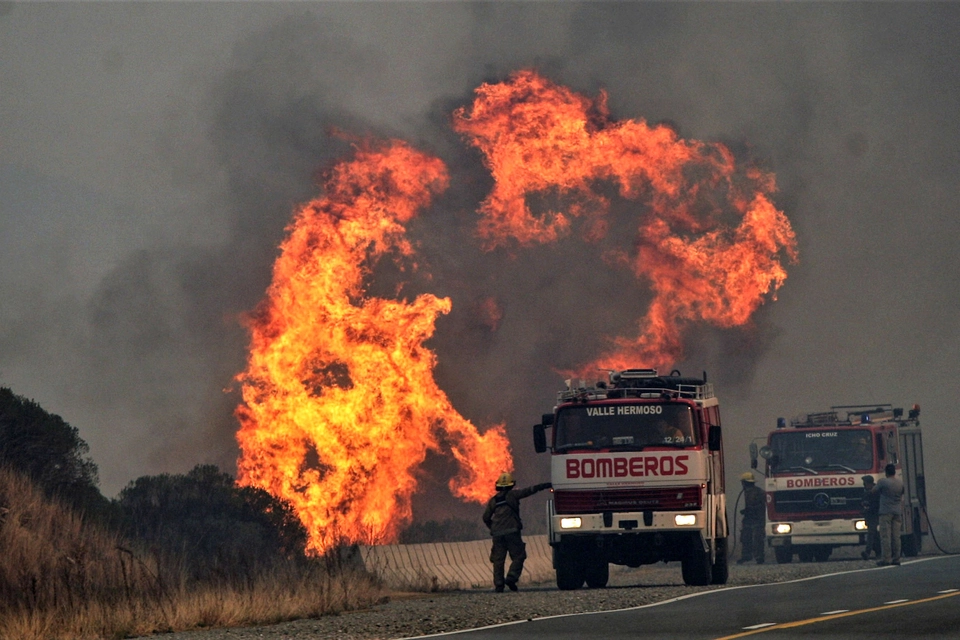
column 637, row 383
column 847, row 415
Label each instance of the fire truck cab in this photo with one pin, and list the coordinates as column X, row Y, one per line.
column 814, row 468
column 637, row 473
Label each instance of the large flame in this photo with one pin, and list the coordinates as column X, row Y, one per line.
column 339, row 401
column 538, row 137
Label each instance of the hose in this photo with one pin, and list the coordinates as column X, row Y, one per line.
column 932, row 535
column 735, row 512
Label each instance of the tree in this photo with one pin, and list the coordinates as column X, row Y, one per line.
column 48, row 450
column 216, row 527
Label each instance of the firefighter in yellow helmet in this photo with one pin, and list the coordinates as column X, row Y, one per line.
column 502, row 517
column 754, row 519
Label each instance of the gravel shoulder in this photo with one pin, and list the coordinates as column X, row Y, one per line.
column 409, row 615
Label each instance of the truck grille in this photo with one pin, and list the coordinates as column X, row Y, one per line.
column 829, row 501
column 597, row 501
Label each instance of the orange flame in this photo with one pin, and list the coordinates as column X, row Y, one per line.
column 538, row 137
column 339, row 401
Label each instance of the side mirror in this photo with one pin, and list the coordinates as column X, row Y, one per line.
column 714, row 438
column 539, row 438
column 546, row 419
column 753, row 455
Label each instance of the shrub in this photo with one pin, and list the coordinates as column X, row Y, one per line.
column 212, row 526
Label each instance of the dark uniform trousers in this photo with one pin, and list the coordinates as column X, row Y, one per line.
column 513, row 544
column 754, row 541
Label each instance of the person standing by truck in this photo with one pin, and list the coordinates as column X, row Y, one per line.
column 502, row 517
column 890, row 489
column 871, row 515
column 754, row 518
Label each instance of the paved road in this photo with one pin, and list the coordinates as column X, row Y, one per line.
column 920, row 599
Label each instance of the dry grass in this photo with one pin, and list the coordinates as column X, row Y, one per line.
column 63, row 578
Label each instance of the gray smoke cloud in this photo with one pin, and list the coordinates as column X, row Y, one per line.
column 152, row 155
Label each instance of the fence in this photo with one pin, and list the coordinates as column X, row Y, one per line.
column 451, row 565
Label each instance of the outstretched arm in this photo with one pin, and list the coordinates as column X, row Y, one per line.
column 529, row 491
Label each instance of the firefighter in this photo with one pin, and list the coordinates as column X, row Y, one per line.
column 890, row 509
column 863, row 455
column 754, row 519
column 502, row 517
column 870, row 506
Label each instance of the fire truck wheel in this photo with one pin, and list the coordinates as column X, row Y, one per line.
column 570, row 572
column 784, row 555
column 805, row 554
column 720, row 568
column 822, row 554
column 910, row 543
column 597, row 573
column 696, row 567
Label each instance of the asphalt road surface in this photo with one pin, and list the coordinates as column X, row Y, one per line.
column 919, row 599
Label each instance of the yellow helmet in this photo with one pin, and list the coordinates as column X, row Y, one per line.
column 748, row 477
column 505, row 480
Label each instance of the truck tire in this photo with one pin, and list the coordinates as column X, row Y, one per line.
column 910, row 543
column 597, row 573
column 784, row 555
column 696, row 567
column 721, row 569
column 805, row 553
column 570, row 573
column 822, row 554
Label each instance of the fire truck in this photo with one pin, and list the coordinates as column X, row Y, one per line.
column 637, row 472
column 814, row 470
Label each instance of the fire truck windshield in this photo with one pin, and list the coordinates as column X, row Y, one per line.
column 625, row 426
column 821, row 450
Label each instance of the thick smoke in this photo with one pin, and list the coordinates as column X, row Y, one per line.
column 145, row 196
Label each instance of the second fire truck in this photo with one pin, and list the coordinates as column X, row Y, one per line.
column 637, row 472
column 814, row 468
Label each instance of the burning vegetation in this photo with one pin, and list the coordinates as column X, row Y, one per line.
column 340, row 405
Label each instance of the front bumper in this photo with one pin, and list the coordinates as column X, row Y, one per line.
column 842, row 532
column 627, row 522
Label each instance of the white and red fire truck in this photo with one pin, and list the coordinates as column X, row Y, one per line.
column 637, row 473
column 814, row 469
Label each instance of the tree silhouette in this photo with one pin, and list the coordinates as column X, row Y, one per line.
column 216, row 527
column 49, row 451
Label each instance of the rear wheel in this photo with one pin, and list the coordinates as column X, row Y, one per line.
column 805, row 554
column 822, row 554
column 597, row 573
column 910, row 543
column 570, row 573
column 784, row 555
column 720, row 569
column 696, row 566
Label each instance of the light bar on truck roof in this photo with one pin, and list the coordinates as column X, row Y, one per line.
column 637, row 374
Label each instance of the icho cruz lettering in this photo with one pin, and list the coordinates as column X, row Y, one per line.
column 637, row 473
column 814, row 469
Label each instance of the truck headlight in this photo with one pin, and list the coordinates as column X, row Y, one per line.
column 782, row 528
column 685, row 520
column 570, row 523
column 860, row 525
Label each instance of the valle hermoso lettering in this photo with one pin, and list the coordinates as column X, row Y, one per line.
column 626, row 410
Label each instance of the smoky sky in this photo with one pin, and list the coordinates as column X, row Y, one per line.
column 151, row 156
